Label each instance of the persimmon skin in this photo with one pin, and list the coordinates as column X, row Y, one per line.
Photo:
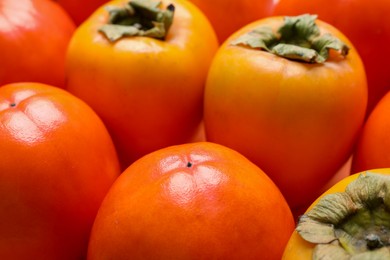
column 370, row 35
column 57, row 163
column 297, row 247
column 228, row 16
column 149, row 92
column 372, row 148
column 192, row 201
column 34, row 36
column 80, row 11
column 296, row 121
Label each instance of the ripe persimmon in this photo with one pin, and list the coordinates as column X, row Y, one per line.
column 348, row 221
column 290, row 94
column 80, row 10
column 34, row 37
column 57, row 163
column 192, row 201
column 227, row 16
column 145, row 82
column 367, row 26
column 373, row 146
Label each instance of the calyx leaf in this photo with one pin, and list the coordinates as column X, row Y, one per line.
column 138, row 18
column 299, row 38
column 354, row 224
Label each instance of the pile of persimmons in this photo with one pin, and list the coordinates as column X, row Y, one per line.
column 194, row 129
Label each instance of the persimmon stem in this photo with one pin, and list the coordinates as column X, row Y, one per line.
column 138, row 18
column 373, row 241
column 299, row 38
column 351, row 223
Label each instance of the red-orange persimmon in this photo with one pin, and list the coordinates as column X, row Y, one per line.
column 227, row 16
column 373, row 147
column 57, row 163
column 192, row 201
column 80, row 10
column 34, row 36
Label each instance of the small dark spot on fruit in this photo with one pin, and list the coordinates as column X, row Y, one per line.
column 189, row 164
column 12, row 104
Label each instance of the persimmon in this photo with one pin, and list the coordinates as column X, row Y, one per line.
column 348, row 220
column 227, row 16
column 145, row 81
column 34, row 37
column 344, row 171
column 289, row 93
column 192, row 201
column 367, row 26
column 372, row 149
column 57, row 163
column 78, row 10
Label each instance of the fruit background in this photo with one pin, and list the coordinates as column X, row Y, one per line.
column 183, row 129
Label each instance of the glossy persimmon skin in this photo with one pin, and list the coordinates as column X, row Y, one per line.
column 149, row 92
column 366, row 25
column 34, row 36
column 372, row 149
column 192, row 201
column 228, row 16
column 297, row 247
column 57, row 163
column 297, row 121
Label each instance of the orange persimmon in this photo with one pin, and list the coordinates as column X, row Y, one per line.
column 227, row 16
column 57, row 163
column 34, row 37
column 80, row 10
column 295, row 111
column 349, row 219
column 373, row 146
column 147, row 87
column 192, row 201
column 367, row 26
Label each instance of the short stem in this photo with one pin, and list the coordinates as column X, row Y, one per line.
column 138, row 18
column 299, row 38
column 357, row 220
column 373, row 241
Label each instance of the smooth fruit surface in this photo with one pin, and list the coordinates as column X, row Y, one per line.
column 297, row 121
column 228, row 16
column 34, row 37
column 192, row 201
column 373, row 147
column 149, row 92
column 57, row 163
column 370, row 35
column 80, row 10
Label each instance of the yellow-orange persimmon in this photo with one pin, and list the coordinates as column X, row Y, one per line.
column 369, row 34
column 349, row 219
column 292, row 109
column 57, row 163
column 192, row 201
column 147, row 87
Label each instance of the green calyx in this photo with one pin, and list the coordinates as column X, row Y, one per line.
column 354, row 224
column 138, row 18
column 298, row 38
